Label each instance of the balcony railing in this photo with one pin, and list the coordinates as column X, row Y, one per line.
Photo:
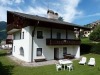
column 63, row 42
column 9, row 41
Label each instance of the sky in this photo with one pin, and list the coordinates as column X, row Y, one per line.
column 80, row 12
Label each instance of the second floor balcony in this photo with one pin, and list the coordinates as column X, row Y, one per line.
column 63, row 42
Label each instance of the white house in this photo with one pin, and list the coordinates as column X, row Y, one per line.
column 38, row 38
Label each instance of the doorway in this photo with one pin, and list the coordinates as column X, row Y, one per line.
column 56, row 53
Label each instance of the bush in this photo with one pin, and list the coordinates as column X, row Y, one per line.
column 86, row 48
column 95, row 35
column 96, row 48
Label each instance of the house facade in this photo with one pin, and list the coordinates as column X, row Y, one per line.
column 37, row 38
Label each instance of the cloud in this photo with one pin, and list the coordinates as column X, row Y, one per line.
column 36, row 11
column 70, row 10
column 66, row 9
column 3, row 11
column 87, row 16
column 19, row 1
column 10, row 2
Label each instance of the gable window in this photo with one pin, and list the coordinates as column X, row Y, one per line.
column 39, row 51
column 21, row 51
column 64, row 50
column 39, row 34
column 58, row 35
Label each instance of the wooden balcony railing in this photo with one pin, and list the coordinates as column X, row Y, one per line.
column 63, row 42
column 9, row 41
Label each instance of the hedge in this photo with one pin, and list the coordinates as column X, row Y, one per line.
column 90, row 48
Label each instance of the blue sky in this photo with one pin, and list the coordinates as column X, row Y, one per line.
column 80, row 12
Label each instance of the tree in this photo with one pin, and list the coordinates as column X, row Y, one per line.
column 60, row 18
column 95, row 35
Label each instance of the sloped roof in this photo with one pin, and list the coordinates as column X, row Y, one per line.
column 44, row 19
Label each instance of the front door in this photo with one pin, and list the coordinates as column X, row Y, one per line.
column 56, row 53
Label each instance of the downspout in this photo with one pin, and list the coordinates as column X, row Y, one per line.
column 33, row 32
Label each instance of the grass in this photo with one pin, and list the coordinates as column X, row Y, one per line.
column 8, row 67
column 85, row 40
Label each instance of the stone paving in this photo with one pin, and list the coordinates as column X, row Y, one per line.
column 34, row 64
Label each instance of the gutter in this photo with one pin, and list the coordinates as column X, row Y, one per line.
column 33, row 32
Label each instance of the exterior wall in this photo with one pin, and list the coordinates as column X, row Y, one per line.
column 17, row 43
column 47, row 51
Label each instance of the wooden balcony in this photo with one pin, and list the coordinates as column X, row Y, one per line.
column 63, row 42
column 9, row 41
column 13, row 28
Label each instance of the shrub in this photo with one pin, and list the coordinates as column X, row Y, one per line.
column 95, row 35
column 96, row 48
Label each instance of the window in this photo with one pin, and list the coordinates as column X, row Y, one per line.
column 20, row 35
column 64, row 50
column 39, row 34
column 58, row 35
column 21, row 51
column 23, row 35
column 14, row 36
column 39, row 51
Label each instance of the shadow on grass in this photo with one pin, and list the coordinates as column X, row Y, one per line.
column 3, row 54
column 6, row 70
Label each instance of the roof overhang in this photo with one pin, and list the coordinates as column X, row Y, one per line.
column 55, row 23
column 13, row 31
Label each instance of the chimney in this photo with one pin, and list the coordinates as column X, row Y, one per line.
column 52, row 15
column 55, row 15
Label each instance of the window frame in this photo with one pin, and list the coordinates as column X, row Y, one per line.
column 58, row 37
column 21, row 51
column 39, row 34
column 64, row 50
column 39, row 49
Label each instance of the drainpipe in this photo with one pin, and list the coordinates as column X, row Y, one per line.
column 33, row 32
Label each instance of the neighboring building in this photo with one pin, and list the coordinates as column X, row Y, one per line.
column 9, row 41
column 37, row 38
column 3, row 45
column 93, row 25
column 7, row 44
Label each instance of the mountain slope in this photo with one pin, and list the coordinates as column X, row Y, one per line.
column 3, row 26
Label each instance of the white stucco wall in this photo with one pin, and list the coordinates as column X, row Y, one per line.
column 47, row 51
column 25, row 43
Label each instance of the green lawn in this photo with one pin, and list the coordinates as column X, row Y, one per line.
column 85, row 40
column 8, row 67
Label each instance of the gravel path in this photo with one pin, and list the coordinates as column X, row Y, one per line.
column 33, row 64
